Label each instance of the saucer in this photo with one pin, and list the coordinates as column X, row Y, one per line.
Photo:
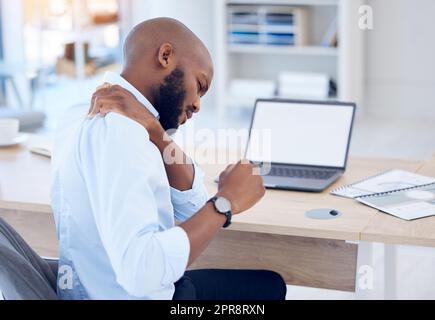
column 18, row 140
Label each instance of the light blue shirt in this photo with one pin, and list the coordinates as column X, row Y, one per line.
column 115, row 210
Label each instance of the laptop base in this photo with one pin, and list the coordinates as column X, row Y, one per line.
column 300, row 184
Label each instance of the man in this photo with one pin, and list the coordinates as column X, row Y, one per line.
column 115, row 198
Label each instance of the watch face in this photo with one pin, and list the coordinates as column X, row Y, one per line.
column 223, row 205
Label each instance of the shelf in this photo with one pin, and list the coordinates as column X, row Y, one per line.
column 263, row 60
column 285, row 50
column 261, row 28
column 285, row 2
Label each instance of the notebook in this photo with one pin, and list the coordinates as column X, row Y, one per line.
column 400, row 193
column 393, row 180
column 408, row 204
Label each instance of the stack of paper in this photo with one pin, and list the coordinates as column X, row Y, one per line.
column 303, row 85
column 245, row 92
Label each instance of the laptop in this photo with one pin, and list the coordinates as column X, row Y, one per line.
column 307, row 142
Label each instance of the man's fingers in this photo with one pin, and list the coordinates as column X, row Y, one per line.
column 102, row 92
column 94, row 97
column 103, row 106
column 103, row 86
column 230, row 167
column 108, row 98
column 94, row 108
column 108, row 93
column 99, row 92
column 246, row 161
column 97, row 106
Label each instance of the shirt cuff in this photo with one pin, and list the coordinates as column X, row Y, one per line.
column 194, row 196
column 176, row 247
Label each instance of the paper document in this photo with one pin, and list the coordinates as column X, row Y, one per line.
column 389, row 181
column 408, row 204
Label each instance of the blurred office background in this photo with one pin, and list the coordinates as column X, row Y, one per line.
column 54, row 53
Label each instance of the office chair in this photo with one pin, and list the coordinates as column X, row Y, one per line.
column 23, row 274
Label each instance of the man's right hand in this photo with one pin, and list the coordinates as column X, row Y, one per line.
column 241, row 186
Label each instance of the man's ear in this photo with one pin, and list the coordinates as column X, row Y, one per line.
column 166, row 55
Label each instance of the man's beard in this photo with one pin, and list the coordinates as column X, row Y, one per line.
column 169, row 100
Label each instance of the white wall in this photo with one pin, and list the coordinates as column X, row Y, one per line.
column 195, row 14
column 400, row 74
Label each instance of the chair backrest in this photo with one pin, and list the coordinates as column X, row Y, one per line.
column 23, row 274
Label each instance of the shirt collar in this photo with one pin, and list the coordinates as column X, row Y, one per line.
column 114, row 78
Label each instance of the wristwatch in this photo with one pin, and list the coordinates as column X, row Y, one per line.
column 223, row 206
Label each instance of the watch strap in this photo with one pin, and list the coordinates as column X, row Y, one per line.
column 227, row 214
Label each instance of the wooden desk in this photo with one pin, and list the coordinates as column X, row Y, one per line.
column 25, row 178
column 274, row 235
column 283, row 212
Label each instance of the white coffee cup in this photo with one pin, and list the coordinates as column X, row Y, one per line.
column 9, row 129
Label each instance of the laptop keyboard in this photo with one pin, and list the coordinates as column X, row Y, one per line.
column 302, row 173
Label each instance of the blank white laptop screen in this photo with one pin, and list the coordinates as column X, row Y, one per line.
column 300, row 133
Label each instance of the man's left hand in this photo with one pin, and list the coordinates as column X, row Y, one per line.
column 113, row 98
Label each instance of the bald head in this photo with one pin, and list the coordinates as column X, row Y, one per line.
column 169, row 65
column 146, row 38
